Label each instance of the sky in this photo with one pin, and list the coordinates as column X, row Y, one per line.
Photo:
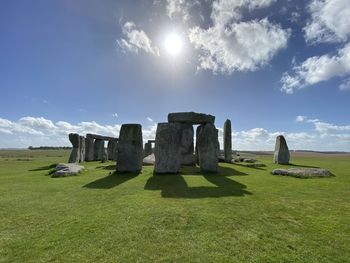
column 88, row 66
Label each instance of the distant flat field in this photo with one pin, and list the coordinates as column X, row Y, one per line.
column 241, row 214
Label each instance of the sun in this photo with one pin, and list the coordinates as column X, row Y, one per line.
column 173, row 44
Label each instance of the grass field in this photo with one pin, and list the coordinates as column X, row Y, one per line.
column 240, row 215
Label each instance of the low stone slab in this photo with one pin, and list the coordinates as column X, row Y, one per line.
column 191, row 117
column 67, row 169
column 149, row 160
column 303, row 172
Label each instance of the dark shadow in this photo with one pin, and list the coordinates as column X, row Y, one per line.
column 107, row 167
column 43, row 168
column 111, row 181
column 175, row 186
column 261, row 168
column 225, row 171
column 305, row 166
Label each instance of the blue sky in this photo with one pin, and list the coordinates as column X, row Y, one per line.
column 272, row 67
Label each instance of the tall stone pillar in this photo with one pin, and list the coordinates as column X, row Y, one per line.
column 110, row 149
column 207, row 148
column 82, row 149
column 186, row 144
column 281, row 155
column 75, row 154
column 99, row 148
column 89, row 149
column 130, row 148
column 167, row 149
column 148, row 149
column 227, row 141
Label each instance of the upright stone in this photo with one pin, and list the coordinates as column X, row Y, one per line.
column 227, row 141
column 208, row 148
column 89, row 149
column 75, row 154
column 99, row 148
column 82, row 149
column 148, row 149
column 110, row 149
column 115, row 149
column 281, row 155
column 186, row 144
column 130, row 148
column 167, row 149
column 196, row 147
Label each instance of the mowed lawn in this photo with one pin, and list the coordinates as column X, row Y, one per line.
column 239, row 215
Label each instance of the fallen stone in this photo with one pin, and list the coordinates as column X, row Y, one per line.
column 67, row 169
column 149, row 160
column 191, row 118
column 130, row 149
column 303, row 172
column 281, row 155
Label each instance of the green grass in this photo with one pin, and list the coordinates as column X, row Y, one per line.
column 240, row 215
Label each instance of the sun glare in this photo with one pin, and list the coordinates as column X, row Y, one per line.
column 173, row 44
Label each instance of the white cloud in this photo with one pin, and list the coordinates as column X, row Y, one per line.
column 40, row 131
column 241, row 47
column 300, row 118
column 136, row 40
column 150, row 119
column 317, row 69
column 180, row 8
column 329, row 21
column 345, row 85
column 115, row 115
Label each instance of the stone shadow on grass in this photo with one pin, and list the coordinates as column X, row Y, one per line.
column 107, row 167
column 43, row 168
column 111, row 180
column 175, row 186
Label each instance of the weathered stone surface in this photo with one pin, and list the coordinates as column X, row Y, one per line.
column 191, row 117
column 303, row 172
column 110, row 149
column 167, row 149
column 75, row 153
column 130, row 148
column 105, row 156
column 100, row 137
column 187, row 144
column 115, row 150
column 227, row 141
column 82, row 149
column 151, row 141
column 281, row 155
column 149, row 160
column 148, row 149
column 67, row 169
column 99, row 148
column 207, row 143
column 89, row 149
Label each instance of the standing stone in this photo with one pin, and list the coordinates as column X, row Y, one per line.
column 82, row 149
column 186, row 144
column 105, row 156
column 110, row 149
column 148, row 149
column 130, row 148
column 281, row 155
column 99, row 148
column 227, row 141
column 75, row 154
column 167, row 149
column 207, row 148
column 196, row 147
column 89, row 149
column 115, row 149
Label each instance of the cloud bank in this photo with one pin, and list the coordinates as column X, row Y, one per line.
column 38, row 131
